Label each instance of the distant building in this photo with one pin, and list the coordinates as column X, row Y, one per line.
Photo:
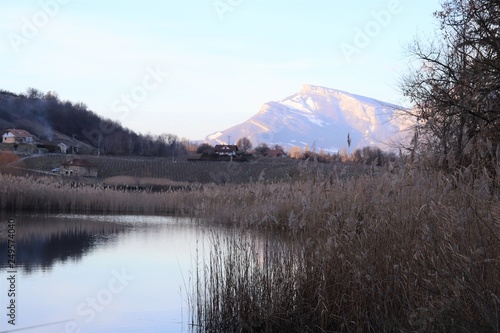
column 275, row 153
column 226, row 149
column 78, row 167
column 63, row 147
column 16, row 136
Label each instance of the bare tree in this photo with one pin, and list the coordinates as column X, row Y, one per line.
column 244, row 144
column 456, row 86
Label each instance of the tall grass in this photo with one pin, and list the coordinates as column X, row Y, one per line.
column 27, row 194
column 65, row 195
column 403, row 250
column 406, row 251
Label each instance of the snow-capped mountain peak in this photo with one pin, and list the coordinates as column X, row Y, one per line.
column 320, row 117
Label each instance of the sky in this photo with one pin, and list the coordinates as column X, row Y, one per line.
column 195, row 67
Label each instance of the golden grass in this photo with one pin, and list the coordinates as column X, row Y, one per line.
column 26, row 194
column 411, row 251
column 143, row 181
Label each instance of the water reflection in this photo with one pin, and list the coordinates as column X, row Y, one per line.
column 43, row 241
column 101, row 273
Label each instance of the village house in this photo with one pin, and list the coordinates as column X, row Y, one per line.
column 16, row 136
column 226, row 149
column 79, row 168
column 63, row 147
column 275, row 153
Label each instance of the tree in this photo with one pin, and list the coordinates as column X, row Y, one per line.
column 344, row 157
column 34, row 93
column 262, row 149
column 278, row 147
column 244, row 144
column 296, row 152
column 7, row 157
column 204, row 148
column 456, row 86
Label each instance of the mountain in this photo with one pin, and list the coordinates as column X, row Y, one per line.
column 321, row 118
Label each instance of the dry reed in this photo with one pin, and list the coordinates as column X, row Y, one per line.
column 407, row 251
column 27, row 194
column 402, row 250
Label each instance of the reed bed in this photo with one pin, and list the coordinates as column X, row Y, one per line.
column 28, row 194
column 405, row 251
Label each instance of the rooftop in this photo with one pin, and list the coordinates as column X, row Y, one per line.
column 79, row 162
column 18, row 132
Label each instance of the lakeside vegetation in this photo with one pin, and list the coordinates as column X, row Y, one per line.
column 408, row 251
column 156, row 186
column 407, row 246
column 404, row 247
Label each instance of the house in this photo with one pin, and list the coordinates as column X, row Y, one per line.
column 78, row 167
column 16, row 136
column 226, row 149
column 63, row 147
column 275, row 153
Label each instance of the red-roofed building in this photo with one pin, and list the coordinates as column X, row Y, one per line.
column 275, row 153
column 78, row 167
column 16, row 136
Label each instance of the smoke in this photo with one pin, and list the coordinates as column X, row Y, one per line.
column 48, row 131
column 41, row 118
column 28, row 113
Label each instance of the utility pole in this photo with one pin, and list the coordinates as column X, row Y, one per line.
column 73, row 148
column 349, row 143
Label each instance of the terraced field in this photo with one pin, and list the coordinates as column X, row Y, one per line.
column 182, row 170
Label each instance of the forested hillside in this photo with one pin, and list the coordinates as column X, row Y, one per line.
column 53, row 120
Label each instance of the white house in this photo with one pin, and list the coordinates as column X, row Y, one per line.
column 63, row 147
column 16, row 136
column 79, row 168
column 226, row 149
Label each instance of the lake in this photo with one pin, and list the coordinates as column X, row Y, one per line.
column 80, row 273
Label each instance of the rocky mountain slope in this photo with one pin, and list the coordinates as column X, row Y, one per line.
column 321, row 118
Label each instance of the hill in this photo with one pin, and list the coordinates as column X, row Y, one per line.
column 52, row 120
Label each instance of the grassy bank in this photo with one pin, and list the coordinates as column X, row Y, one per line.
column 27, row 194
column 54, row 194
column 410, row 251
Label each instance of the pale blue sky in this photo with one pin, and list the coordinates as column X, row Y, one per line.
column 194, row 67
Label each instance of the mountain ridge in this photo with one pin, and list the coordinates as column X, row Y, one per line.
column 321, row 117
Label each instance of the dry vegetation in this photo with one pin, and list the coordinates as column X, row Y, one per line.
column 43, row 195
column 179, row 169
column 51, row 193
column 144, row 182
column 402, row 249
column 408, row 251
column 415, row 249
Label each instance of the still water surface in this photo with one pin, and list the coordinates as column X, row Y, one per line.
column 78, row 273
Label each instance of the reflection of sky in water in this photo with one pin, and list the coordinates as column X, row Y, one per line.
column 156, row 251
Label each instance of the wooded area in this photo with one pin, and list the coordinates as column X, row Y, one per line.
column 43, row 114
